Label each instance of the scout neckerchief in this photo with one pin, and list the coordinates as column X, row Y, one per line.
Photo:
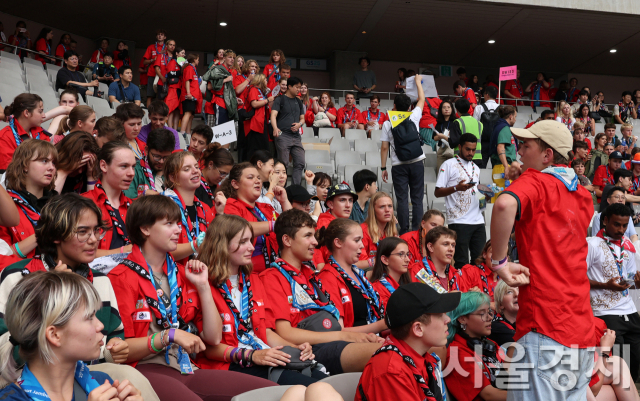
column 389, row 283
column 276, row 72
column 473, row 171
column 567, row 122
column 377, row 115
column 375, row 311
column 49, row 264
column 391, row 346
column 296, row 280
column 618, row 259
column 30, row 384
column 257, row 213
column 489, row 355
column 609, row 176
column 146, row 169
column 570, row 94
column 113, row 214
column 16, row 137
column 499, row 318
column 192, row 230
column 347, row 118
column 484, row 277
column 565, row 175
column 242, row 317
column 636, row 182
column 207, row 189
column 452, row 283
column 29, row 211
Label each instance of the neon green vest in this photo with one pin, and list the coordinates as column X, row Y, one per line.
column 469, row 125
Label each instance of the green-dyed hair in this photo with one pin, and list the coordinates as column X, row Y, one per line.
column 469, row 303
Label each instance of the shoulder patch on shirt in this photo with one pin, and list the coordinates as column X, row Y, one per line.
column 142, row 316
column 345, row 299
column 226, row 328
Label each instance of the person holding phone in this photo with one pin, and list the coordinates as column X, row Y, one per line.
column 457, row 183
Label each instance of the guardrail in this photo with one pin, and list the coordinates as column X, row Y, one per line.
column 35, row 52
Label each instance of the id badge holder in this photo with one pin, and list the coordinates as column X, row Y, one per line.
column 185, row 363
column 482, row 200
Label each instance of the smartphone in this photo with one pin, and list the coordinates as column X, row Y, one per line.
column 471, row 183
column 23, row 30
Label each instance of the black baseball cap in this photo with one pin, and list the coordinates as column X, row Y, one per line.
column 341, row 189
column 410, row 301
column 298, row 193
column 616, row 155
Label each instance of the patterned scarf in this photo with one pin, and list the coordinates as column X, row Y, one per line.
column 113, row 214
column 146, row 169
column 241, row 317
column 29, row 211
column 618, row 259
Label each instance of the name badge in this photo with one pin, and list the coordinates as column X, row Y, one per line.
column 482, row 201
column 430, row 280
column 185, row 364
column 345, row 299
column 226, row 328
column 142, row 316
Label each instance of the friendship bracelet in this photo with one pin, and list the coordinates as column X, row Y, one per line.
column 605, row 355
column 272, row 194
column 372, row 261
column 91, row 182
column 172, row 333
column 149, row 343
column 498, row 262
column 502, row 264
column 192, row 247
column 18, row 251
column 233, row 355
column 224, row 355
column 153, row 338
column 162, row 333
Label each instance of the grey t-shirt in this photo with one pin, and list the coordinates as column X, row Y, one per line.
column 364, row 79
column 289, row 112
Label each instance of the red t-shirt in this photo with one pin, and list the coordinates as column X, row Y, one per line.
column 368, row 115
column 333, row 112
column 205, row 217
column 60, row 50
column 370, row 248
column 144, row 78
column 464, row 388
column 99, row 197
column 132, row 292
column 515, row 88
column 22, row 231
column 387, row 376
column 412, row 238
column 572, row 95
column 383, row 291
column 218, row 95
column 98, row 56
column 191, row 75
column 256, row 123
column 272, row 79
column 244, row 210
column 8, row 143
column 345, row 116
column 456, row 280
column 471, row 97
column 603, row 176
column 550, row 227
column 239, row 79
column 117, row 62
column 321, row 255
column 151, row 53
column 428, row 120
column 259, row 320
column 42, row 46
column 279, row 297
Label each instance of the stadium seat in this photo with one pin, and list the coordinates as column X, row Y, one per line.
column 317, row 156
column 307, row 132
column 312, row 139
column 326, row 168
column 273, row 393
column 338, row 144
column 328, row 133
column 429, row 174
column 429, row 190
column 145, row 121
column 431, row 160
column 386, row 103
column 344, row 157
column 100, row 106
column 521, row 122
column 32, row 61
column 486, row 176
column 525, row 110
column 372, row 159
column 104, row 88
column 7, row 55
column 345, row 384
column 351, row 169
column 375, row 136
column 355, row 134
column 364, row 146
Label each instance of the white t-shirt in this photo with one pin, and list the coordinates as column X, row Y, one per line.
column 491, row 105
column 387, row 136
column 462, row 207
column 236, row 296
column 601, row 267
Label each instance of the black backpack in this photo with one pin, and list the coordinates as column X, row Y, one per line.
column 488, row 119
column 406, row 141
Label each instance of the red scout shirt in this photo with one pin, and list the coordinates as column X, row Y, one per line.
column 259, row 320
column 345, row 116
column 370, row 248
column 205, row 216
column 471, row 97
column 256, row 123
column 99, row 197
column 98, row 56
column 8, row 143
column 369, row 115
column 133, row 292
column 556, row 302
column 428, row 120
column 602, row 177
column 22, row 231
column 515, row 88
column 387, row 374
column 151, row 53
column 457, row 279
column 218, row 95
column 383, row 291
column 244, row 210
column 42, row 46
column 321, row 255
column 412, row 238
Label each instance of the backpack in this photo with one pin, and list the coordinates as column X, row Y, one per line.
column 488, row 119
column 406, row 141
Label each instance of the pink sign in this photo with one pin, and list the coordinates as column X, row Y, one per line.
column 507, row 73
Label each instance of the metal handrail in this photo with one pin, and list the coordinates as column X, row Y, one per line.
column 31, row 51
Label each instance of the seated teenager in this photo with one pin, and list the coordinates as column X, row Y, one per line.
column 242, row 189
column 373, row 118
column 159, row 300
column 277, row 178
column 403, row 367
column 182, row 178
column 339, row 201
column 468, row 330
column 483, row 263
column 217, row 162
column 349, row 115
column 25, row 115
column 317, row 184
column 324, row 109
column 115, row 170
column 104, row 71
column 299, row 198
column 52, row 320
column 158, row 114
column 68, row 233
column 81, row 118
column 359, row 304
column 415, row 239
column 108, row 129
column 604, row 174
column 201, row 137
column 503, row 326
column 77, row 154
column 365, row 183
column 391, row 269
column 615, row 195
column 29, row 181
column 249, row 343
column 69, row 99
column 264, row 162
column 380, row 224
column 149, row 170
column 130, row 115
column 436, row 270
column 300, row 305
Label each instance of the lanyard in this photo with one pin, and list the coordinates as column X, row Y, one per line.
column 257, row 213
column 350, row 116
column 609, row 177
column 29, row 211
column 29, row 383
column 618, row 259
column 377, row 115
column 453, row 282
column 192, row 228
column 473, row 171
column 387, row 284
column 12, row 124
column 162, row 50
column 636, row 183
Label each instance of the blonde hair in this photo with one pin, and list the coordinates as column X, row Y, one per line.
column 235, row 63
column 247, row 64
column 578, row 124
column 78, row 114
column 625, row 126
column 28, row 151
column 216, row 247
column 38, row 301
column 260, row 82
column 172, row 166
column 374, row 232
column 498, row 294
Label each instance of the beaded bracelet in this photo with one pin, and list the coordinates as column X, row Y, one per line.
column 162, row 333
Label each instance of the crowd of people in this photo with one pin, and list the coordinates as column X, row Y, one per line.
column 223, row 275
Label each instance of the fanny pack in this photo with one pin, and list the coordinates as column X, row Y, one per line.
column 321, row 321
column 304, row 367
column 173, row 77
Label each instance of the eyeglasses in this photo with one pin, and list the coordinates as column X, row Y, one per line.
column 618, row 198
column 84, row 234
column 158, row 158
column 402, row 255
column 222, row 173
column 484, row 315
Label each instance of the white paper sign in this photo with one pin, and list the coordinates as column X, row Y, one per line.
column 225, row 133
column 105, row 264
column 428, row 86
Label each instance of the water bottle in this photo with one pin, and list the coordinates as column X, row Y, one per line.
column 498, row 176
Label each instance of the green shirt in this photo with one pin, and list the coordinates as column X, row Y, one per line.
column 505, row 137
column 139, row 184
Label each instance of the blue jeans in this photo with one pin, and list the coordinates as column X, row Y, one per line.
column 550, row 371
column 408, row 177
